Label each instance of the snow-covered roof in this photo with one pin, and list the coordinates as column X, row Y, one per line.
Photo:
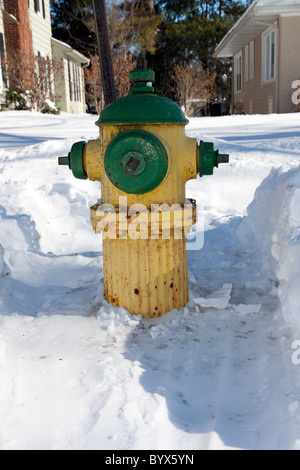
column 255, row 19
column 70, row 51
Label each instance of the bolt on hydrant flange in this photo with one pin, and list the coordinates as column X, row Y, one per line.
column 143, row 160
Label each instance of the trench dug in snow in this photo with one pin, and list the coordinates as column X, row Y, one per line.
column 78, row 373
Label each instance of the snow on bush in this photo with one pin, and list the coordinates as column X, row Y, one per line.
column 274, row 222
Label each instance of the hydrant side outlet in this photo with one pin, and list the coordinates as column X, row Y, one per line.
column 209, row 158
column 75, row 160
column 136, row 162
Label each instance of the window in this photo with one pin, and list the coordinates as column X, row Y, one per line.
column 39, row 7
column 269, row 55
column 251, row 63
column 246, row 63
column 74, row 81
column 238, row 73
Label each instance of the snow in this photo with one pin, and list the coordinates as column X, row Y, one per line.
column 222, row 373
column 219, row 299
column 280, row 240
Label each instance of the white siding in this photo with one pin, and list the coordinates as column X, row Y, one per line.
column 41, row 29
column 1, row 18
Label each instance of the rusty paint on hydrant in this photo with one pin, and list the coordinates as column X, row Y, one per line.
column 143, row 160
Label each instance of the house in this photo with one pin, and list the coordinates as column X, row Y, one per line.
column 71, row 91
column 25, row 32
column 264, row 48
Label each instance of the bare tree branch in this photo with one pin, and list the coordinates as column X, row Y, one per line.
column 194, row 87
column 33, row 76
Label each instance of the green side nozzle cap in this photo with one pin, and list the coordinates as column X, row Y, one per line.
column 75, row 160
column 209, row 158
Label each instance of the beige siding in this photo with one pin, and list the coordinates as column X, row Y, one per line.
column 273, row 97
column 289, row 59
column 255, row 97
column 41, row 30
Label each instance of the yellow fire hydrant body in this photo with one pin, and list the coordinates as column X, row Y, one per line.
column 143, row 160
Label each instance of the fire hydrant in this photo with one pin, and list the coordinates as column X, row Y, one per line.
column 143, row 160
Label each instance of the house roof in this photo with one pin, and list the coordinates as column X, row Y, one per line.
column 70, row 52
column 259, row 15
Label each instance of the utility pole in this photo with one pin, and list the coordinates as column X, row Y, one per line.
column 106, row 65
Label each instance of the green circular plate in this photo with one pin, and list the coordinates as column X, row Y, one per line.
column 136, row 162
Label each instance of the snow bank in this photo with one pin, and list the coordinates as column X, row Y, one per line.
column 78, row 373
column 274, row 222
column 1, row 259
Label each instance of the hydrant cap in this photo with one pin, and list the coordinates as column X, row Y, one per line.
column 142, row 105
column 142, row 108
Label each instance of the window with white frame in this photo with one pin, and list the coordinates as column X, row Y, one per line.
column 238, row 72
column 246, row 63
column 251, row 60
column 74, row 81
column 39, row 7
column 269, row 55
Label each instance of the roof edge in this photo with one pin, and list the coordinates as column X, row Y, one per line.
column 235, row 27
column 72, row 52
column 256, row 11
